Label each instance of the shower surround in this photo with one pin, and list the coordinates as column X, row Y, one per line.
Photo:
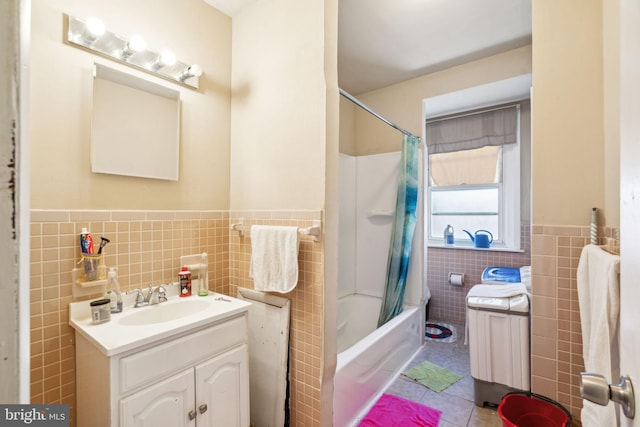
column 370, row 356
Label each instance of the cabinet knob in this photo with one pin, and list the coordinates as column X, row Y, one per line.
column 192, row 414
column 203, row 408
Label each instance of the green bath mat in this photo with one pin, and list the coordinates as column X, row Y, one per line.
column 432, row 376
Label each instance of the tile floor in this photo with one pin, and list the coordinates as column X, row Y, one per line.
column 456, row 402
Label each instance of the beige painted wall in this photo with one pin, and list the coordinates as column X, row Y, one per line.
column 278, row 106
column 347, row 127
column 576, row 160
column 61, row 106
column 402, row 103
column 363, row 134
column 568, row 125
column 331, row 195
column 284, row 138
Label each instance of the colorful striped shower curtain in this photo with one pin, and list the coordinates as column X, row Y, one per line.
column 402, row 233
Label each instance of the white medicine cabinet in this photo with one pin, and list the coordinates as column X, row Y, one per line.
column 135, row 126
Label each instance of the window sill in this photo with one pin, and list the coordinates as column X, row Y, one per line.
column 469, row 247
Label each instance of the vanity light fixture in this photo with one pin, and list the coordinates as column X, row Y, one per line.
column 192, row 71
column 93, row 36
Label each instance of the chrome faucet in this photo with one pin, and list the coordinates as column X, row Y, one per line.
column 154, row 296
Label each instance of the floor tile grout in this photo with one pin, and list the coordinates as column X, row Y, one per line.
column 457, row 401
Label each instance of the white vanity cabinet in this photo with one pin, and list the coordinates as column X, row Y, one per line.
column 208, row 395
column 199, row 378
column 165, row 403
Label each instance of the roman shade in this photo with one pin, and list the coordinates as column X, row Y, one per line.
column 497, row 126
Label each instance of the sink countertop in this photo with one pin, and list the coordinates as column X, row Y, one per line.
column 113, row 338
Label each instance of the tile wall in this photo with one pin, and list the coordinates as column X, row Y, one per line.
column 305, row 349
column 448, row 303
column 146, row 246
column 556, row 345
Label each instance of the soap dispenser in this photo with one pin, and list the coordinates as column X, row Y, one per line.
column 113, row 292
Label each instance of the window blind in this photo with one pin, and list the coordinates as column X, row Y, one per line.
column 497, row 126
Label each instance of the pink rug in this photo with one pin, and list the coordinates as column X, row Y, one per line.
column 392, row 411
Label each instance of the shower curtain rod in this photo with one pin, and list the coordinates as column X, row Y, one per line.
column 369, row 110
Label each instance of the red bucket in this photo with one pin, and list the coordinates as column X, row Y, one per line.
column 524, row 410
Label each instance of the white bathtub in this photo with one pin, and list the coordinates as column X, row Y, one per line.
column 369, row 358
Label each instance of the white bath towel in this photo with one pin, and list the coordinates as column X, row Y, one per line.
column 599, row 300
column 274, row 258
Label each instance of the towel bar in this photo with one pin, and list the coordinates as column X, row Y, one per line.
column 611, row 245
column 315, row 231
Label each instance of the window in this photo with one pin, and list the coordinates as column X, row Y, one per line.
column 474, row 176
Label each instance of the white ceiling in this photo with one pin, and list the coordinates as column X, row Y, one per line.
column 382, row 42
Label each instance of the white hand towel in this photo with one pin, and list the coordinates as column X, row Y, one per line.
column 599, row 300
column 274, row 258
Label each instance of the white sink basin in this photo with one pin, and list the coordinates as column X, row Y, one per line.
column 162, row 312
column 136, row 327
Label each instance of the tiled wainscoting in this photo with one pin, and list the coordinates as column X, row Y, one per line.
column 556, row 344
column 447, row 302
column 305, row 350
column 146, row 247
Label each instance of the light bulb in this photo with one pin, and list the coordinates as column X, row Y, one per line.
column 137, row 43
column 134, row 45
column 195, row 70
column 95, row 29
column 167, row 58
column 192, row 71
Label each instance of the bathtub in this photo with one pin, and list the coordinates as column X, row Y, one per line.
column 369, row 358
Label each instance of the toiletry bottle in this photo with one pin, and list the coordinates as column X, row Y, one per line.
column 86, row 248
column 184, row 277
column 203, row 285
column 86, row 241
column 202, row 288
column 113, row 293
column 100, row 311
column 448, row 235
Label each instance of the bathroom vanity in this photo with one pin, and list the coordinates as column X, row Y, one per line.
column 183, row 362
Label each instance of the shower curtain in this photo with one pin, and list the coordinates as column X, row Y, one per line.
column 402, row 232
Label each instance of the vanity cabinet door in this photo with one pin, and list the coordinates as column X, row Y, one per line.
column 222, row 390
column 167, row 403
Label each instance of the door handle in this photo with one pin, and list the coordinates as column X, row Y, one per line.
column 594, row 387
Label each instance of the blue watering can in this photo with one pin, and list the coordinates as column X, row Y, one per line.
column 482, row 238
